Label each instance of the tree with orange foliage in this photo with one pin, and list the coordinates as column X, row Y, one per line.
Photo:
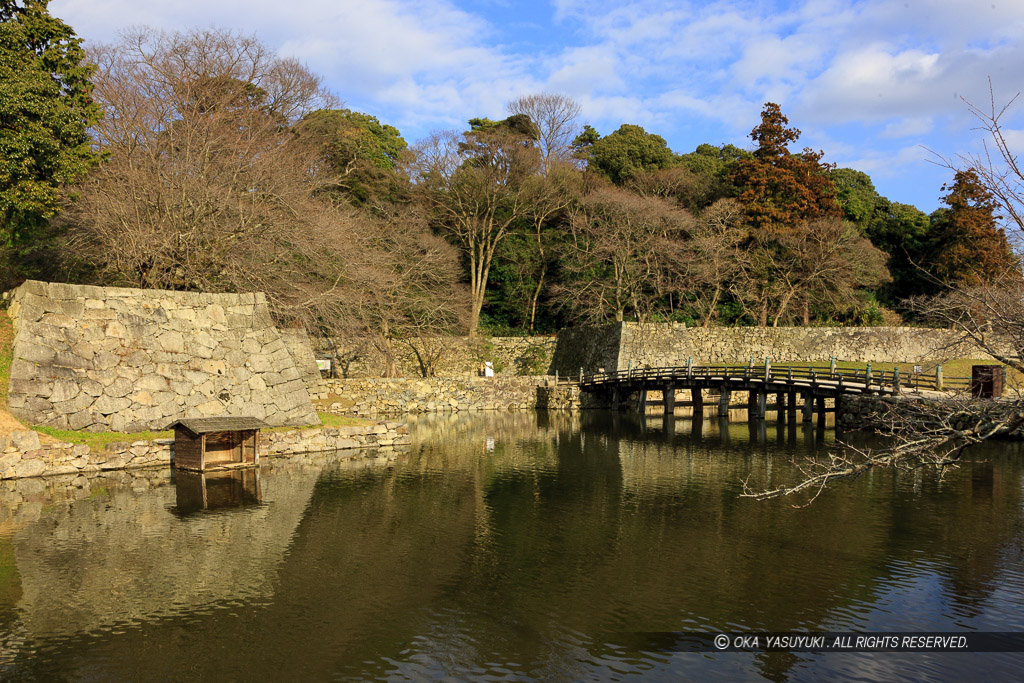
column 779, row 189
column 969, row 248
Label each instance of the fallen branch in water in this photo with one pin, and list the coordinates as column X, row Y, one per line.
column 925, row 433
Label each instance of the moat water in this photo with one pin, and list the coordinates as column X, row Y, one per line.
column 509, row 547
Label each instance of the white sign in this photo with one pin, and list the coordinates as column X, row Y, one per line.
column 488, row 369
column 323, row 364
column 917, row 369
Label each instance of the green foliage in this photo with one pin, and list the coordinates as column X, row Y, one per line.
column 6, row 356
column 627, row 152
column 45, row 112
column 482, row 350
column 350, row 136
column 904, row 233
column 855, row 194
column 517, row 124
column 361, row 152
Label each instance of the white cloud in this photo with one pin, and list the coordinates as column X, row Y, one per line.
column 908, row 127
column 861, row 74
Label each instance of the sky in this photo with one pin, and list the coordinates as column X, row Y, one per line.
column 878, row 85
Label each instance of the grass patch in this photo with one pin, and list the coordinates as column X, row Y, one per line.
column 957, row 369
column 329, row 420
column 6, row 355
column 100, row 439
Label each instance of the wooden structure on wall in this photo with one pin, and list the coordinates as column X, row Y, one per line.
column 204, row 443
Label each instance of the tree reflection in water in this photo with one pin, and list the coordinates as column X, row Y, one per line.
column 540, row 546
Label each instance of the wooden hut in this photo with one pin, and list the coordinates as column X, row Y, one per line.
column 203, row 443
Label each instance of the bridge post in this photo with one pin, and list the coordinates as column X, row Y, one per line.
column 697, row 399
column 615, row 397
column 723, row 402
column 780, row 408
column 669, row 393
column 762, row 404
column 642, row 401
column 751, row 404
column 808, row 405
column 821, row 411
column 791, row 407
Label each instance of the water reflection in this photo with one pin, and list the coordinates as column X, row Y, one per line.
column 197, row 491
column 513, row 545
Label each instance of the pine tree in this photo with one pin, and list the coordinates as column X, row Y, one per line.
column 969, row 248
column 779, row 189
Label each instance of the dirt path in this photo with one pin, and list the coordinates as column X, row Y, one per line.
column 9, row 423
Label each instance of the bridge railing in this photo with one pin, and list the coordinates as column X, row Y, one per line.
column 797, row 374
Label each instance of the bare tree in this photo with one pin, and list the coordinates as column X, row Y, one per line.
column 714, row 240
column 555, row 117
column 414, row 296
column 208, row 189
column 925, row 433
column 624, row 254
column 479, row 185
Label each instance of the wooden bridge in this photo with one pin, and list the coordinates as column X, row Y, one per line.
column 811, row 389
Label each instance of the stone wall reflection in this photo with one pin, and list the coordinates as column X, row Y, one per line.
column 125, row 547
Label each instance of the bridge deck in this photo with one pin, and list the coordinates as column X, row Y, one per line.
column 747, row 378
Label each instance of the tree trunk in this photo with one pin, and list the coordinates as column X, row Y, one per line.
column 712, row 307
column 536, row 295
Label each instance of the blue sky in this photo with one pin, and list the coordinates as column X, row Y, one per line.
column 871, row 83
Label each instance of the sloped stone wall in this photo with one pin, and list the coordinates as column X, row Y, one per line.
column 105, row 358
column 298, row 345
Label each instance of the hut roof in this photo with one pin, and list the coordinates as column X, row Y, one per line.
column 221, row 423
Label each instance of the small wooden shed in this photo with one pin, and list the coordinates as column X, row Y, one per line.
column 203, row 443
column 987, row 381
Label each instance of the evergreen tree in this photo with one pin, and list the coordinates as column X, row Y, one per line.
column 46, row 109
column 780, row 189
column 969, row 249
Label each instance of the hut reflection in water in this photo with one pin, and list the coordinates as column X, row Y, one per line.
column 195, row 491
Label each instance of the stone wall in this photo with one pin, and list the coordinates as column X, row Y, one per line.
column 22, row 454
column 663, row 345
column 449, row 356
column 104, row 358
column 298, row 344
column 376, row 396
column 619, row 345
column 589, row 348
